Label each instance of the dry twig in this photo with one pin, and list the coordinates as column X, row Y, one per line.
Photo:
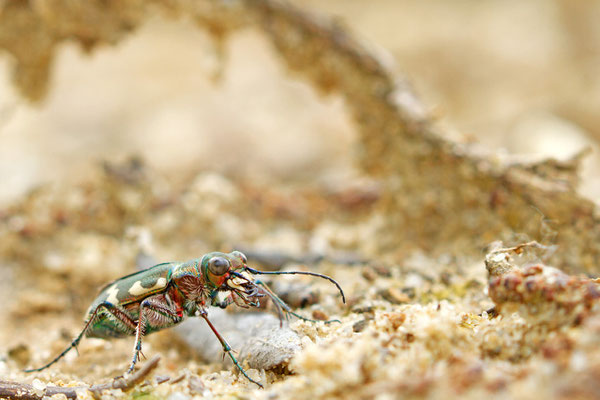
column 23, row 391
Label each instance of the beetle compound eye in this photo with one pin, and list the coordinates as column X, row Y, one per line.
column 218, row 266
column 241, row 256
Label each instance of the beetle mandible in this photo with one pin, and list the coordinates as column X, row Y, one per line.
column 165, row 294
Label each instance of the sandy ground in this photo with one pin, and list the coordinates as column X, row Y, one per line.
column 238, row 154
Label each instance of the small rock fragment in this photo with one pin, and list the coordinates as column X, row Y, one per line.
column 20, row 354
column 363, row 309
column 39, row 387
column 395, row 296
column 320, row 315
column 539, row 293
column 382, row 270
column 360, row 325
column 195, row 384
column 369, row 273
column 396, row 318
column 261, row 342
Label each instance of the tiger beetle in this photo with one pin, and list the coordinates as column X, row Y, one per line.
column 165, row 294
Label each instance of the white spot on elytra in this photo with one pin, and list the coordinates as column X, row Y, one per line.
column 113, row 291
column 137, row 289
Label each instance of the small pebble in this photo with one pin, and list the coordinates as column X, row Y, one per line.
column 397, row 319
column 360, row 325
column 362, row 309
column 39, row 387
column 369, row 274
column 196, row 385
column 320, row 315
column 20, row 354
column 382, row 270
column 395, row 296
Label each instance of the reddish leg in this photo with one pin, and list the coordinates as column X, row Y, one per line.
column 156, row 312
column 226, row 347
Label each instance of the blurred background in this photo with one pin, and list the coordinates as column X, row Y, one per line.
column 243, row 155
column 516, row 76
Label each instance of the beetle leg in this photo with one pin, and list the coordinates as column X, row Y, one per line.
column 155, row 312
column 281, row 304
column 226, row 348
column 109, row 308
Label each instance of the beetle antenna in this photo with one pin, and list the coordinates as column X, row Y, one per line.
column 255, row 271
column 287, row 308
column 277, row 306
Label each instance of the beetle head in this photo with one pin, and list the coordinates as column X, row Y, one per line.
column 229, row 272
column 225, row 272
column 216, row 266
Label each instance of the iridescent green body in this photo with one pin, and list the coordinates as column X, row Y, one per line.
column 165, row 294
column 128, row 292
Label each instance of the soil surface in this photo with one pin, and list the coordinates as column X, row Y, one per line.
column 468, row 270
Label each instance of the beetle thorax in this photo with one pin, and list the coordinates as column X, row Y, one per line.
column 189, row 282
